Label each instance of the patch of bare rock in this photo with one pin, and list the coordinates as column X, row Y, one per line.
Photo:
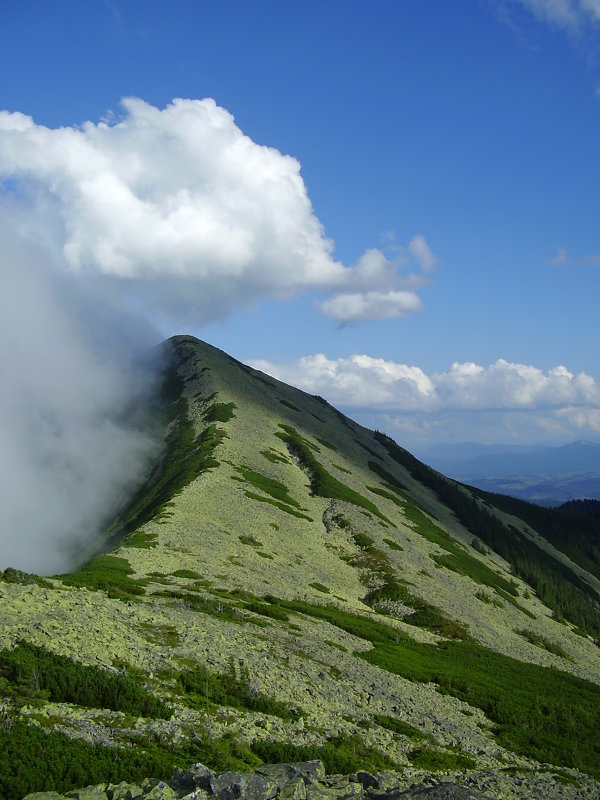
column 308, row 781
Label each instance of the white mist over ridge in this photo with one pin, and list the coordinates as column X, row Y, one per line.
column 66, row 456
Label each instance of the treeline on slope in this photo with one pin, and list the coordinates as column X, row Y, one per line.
column 555, row 584
column 585, row 506
column 30, row 671
column 571, row 528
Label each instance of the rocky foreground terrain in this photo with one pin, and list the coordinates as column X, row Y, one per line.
column 308, row 781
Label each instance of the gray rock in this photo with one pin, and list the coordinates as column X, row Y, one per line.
column 231, row 785
column 439, row 791
column 309, row 771
column 366, row 780
column 97, row 792
column 44, row 796
column 295, row 790
column 196, row 777
column 228, row 785
column 197, row 794
column 134, row 792
column 162, row 791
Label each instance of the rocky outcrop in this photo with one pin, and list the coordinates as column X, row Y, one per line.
column 308, row 781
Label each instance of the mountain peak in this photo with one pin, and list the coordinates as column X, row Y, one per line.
column 304, row 586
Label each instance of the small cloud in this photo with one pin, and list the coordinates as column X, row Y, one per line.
column 560, row 258
column 573, row 16
column 591, row 261
column 422, row 252
column 371, row 305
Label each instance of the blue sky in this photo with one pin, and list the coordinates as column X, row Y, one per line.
column 428, row 260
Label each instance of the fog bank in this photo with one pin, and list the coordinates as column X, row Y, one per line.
column 66, row 457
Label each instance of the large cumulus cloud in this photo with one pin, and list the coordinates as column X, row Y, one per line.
column 189, row 217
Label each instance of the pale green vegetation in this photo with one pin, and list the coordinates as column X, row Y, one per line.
column 282, row 613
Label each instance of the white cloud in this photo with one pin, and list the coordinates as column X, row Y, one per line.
column 571, row 15
column 188, row 216
column 371, row 305
column 357, row 381
column 469, row 402
column 361, row 380
column 422, row 252
column 563, row 259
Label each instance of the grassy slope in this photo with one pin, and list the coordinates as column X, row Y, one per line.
column 294, row 517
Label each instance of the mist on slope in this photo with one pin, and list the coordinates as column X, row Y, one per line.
column 67, row 457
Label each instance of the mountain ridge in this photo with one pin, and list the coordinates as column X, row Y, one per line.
column 282, row 550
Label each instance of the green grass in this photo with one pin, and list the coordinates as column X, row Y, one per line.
column 267, row 610
column 393, row 545
column 30, row 671
column 165, row 635
column 326, row 444
column 212, row 606
column 290, row 405
column 485, row 598
column 341, row 755
column 545, row 644
column 343, row 469
column 250, row 540
column 219, row 412
column 275, row 489
column 323, row 484
column 141, row 539
column 274, row 457
column 388, row 478
column 32, row 760
column 387, row 495
column 320, row 587
column 539, row 712
column 363, row 540
column 11, row 575
column 187, row 573
column 109, row 574
column 400, row 727
column 235, row 687
column 277, row 504
column 435, row 760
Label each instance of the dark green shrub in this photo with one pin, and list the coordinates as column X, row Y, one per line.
column 32, row 670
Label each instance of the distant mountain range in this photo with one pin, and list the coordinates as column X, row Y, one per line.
column 542, row 474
